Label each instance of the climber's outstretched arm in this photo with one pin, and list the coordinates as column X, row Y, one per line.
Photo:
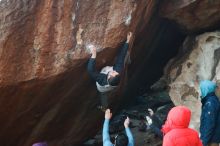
column 119, row 64
column 98, row 77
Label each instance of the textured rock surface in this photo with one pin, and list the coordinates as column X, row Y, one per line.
column 192, row 15
column 45, row 91
column 198, row 59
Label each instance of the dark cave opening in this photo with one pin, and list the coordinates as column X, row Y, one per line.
column 166, row 48
column 155, row 53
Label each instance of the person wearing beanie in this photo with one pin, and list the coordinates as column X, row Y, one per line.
column 210, row 116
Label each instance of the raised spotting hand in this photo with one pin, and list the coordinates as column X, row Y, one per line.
column 108, row 114
column 129, row 35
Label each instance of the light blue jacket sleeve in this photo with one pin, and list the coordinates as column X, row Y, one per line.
column 130, row 137
column 105, row 134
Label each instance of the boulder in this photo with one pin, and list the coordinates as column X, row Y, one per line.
column 192, row 15
column 198, row 59
column 45, row 91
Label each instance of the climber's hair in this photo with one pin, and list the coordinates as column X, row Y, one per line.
column 114, row 81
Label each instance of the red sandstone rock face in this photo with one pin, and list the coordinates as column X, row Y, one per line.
column 192, row 15
column 45, row 91
column 54, row 33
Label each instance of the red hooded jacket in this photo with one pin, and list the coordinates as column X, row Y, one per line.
column 176, row 129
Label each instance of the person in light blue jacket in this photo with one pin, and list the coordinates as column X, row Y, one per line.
column 120, row 139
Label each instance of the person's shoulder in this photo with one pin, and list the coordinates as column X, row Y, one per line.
column 211, row 100
column 212, row 97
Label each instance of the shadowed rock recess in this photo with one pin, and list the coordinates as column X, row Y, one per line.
column 45, row 91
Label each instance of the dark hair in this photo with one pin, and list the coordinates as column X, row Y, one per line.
column 114, row 81
column 121, row 140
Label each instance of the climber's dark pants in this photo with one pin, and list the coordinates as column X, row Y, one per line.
column 119, row 64
column 104, row 99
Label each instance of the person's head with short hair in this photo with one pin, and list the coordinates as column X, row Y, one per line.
column 40, row 144
column 121, row 140
column 113, row 78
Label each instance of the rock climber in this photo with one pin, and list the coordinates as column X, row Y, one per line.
column 109, row 77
